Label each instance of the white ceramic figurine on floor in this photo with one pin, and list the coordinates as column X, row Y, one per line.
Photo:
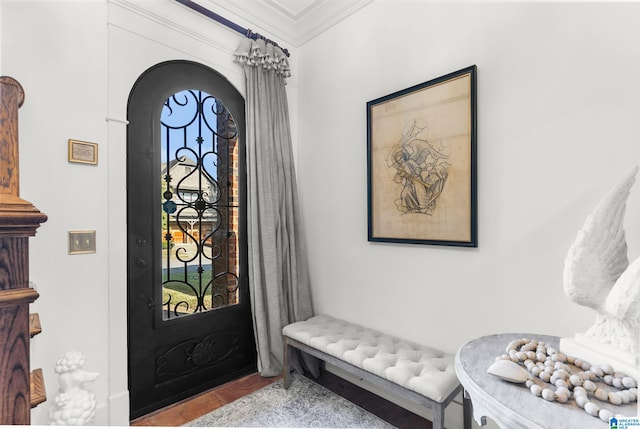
column 597, row 274
column 74, row 405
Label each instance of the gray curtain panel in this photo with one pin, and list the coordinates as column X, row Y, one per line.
column 278, row 273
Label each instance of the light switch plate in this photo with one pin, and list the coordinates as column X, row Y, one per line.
column 82, row 242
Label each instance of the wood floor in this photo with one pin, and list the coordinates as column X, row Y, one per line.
column 187, row 410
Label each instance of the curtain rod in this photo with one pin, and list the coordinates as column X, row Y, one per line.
column 232, row 25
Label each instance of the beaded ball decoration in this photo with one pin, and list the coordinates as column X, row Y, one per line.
column 550, row 366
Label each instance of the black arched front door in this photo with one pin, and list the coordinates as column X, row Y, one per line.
column 189, row 316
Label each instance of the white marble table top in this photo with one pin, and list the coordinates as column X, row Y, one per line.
column 511, row 405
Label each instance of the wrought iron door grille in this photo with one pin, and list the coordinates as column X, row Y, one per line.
column 199, row 205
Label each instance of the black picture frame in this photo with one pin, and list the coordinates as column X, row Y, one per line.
column 422, row 163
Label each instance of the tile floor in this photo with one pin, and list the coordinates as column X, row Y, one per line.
column 189, row 409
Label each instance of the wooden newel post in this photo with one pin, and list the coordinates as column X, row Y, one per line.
column 19, row 220
column 12, row 97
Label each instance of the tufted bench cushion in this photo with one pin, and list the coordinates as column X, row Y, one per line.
column 422, row 369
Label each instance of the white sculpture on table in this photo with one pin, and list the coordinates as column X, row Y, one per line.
column 597, row 274
column 74, row 405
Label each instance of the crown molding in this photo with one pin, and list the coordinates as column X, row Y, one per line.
column 294, row 22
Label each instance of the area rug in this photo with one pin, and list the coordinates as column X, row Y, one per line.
column 304, row 405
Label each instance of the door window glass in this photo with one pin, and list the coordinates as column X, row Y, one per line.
column 199, row 176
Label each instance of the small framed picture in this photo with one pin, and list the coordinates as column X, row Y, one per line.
column 83, row 152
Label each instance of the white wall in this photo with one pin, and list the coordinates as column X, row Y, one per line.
column 557, row 121
column 557, row 128
column 77, row 61
column 64, row 77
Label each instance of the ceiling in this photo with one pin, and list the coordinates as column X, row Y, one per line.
column 288, row 22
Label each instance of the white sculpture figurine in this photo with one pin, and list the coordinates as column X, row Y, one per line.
column 597, row 274
column 74, row 405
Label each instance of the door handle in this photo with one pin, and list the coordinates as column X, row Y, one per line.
column 141, row 262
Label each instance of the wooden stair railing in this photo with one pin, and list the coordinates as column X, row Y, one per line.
column 19, row 220
column 34, row 325
column 38, row 391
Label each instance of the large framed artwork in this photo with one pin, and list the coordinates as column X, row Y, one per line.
column 421, row 156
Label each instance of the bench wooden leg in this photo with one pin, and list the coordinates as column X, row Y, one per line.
column 438, row 416
column 286, row 371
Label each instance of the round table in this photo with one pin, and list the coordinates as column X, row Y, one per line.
column 511, row 405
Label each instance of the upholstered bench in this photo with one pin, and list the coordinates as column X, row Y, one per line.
column 423, row 375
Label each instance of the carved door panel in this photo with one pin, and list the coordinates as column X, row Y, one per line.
column 190, row 325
